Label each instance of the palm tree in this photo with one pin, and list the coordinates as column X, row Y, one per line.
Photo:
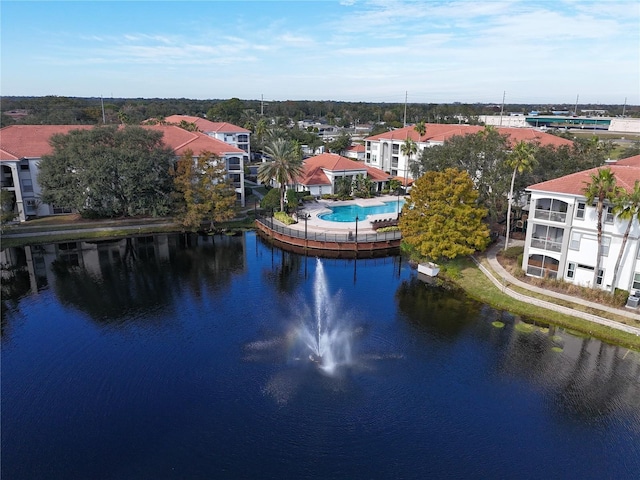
column 626, row 207
column 408, row 148
column 601, row 188
column 521, row 159
column 285, row 165
column 421, row 128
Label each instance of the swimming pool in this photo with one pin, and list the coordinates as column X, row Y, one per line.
column 348, row 213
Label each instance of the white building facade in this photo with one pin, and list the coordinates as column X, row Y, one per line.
column 561, row 239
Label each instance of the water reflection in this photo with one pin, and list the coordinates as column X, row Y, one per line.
column 442, row 310
column 434, row 390
column 113, row 280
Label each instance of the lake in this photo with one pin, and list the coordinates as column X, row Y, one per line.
column 179, row 356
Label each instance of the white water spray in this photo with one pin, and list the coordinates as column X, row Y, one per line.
column 328, row 342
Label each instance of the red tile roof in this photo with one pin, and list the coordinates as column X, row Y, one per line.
column 333, row 162
column 356, row 148
column 635, row 161
column 439, row 132
column 573, row 184
column 32, row 141
column 314, row 169
column 205, row 125
column 180, row 140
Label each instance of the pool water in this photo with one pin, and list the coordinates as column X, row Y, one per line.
column 348, row 213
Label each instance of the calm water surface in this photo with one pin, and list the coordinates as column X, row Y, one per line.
column 173, row 357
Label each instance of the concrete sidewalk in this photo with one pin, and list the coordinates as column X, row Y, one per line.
column 502, row 279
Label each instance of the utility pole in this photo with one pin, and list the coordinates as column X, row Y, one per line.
column 504, row 93
column 624, row 107
column 261, row 105
column 575, row 110
column 405, row 108
column 104, row 121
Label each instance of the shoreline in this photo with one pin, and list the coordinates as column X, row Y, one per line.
column 92, row 230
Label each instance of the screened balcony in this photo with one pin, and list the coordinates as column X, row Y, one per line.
column 551, row 209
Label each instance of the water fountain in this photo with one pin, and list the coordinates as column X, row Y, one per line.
column 325, row 340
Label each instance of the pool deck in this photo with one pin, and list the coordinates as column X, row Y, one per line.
column 319, row 207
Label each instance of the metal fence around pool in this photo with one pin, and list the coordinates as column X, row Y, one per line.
column 350, row 237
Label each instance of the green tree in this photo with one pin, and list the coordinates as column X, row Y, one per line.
column 631, row 150
column 108, row 172
column 441, row 218
column 227, row 111
column 521, row 159
column 408, row 148
column 482, row 156
column 340, row 144
column 421, row 128
column 626, row 207
column 284, row 166
column 602, row 188
column 271, row 200
column 201, row 191
column 7, row 204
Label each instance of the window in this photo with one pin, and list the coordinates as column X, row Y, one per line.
column 24, row 166
column 27, row 185
column 609, row 214
column 600, row 277
column 574, row 243
column 580, row 210
column 395, row 149
column 551, row 209
column 636, row 281
column 30, row 203
column 571, row 270
column 542, row 266
column 547, row 238
column 606, row 242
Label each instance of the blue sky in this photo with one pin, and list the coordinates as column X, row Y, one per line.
column 545, row 51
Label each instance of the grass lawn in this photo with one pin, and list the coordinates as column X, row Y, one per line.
column 464, row 273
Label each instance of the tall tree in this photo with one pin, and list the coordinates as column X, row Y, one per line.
column 108, row 172
column 340, row 144
column 201, row 191
column 421, row 128
column 283, row 166
column 626, row 207
column 408, row 148
column 482, row 156
column 521, row 159
column 442, row 218
column 601, row 189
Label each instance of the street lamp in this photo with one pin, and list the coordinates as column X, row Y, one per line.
column 306, row 216
column 357, row 229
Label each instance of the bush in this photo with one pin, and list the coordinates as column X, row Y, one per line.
column 329, row 196
column 271, row 200
column 284, row 218
column 309, row 198
column 388, row 229
column 513, row 252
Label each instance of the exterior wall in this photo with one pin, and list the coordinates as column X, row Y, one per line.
column 515, row 121
column 578, row 246
column 387, row 156
column 630, row 125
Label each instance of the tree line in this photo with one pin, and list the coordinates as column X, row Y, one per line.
column 57, row 110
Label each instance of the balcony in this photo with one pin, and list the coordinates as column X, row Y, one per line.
column 550, row 216
column 546, row 244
